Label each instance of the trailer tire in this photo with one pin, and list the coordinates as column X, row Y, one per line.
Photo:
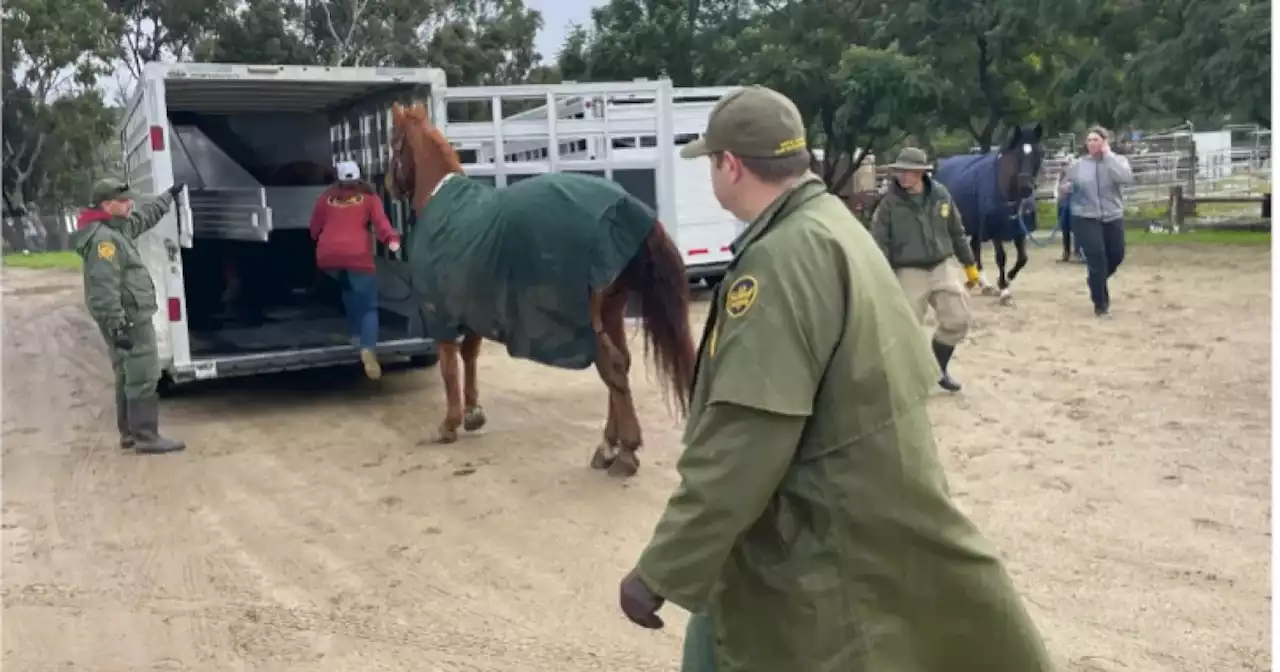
column 166, row 388
column 424, row 361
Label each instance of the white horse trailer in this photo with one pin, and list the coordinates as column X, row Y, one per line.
column 702, row 230
column 256, row 144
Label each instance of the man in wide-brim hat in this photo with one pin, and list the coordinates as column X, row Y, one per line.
column 919, row 230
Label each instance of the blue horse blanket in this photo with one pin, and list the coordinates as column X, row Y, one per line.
column 975, row 189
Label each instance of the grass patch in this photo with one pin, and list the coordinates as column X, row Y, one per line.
column 69, row 261
column 1201, row 237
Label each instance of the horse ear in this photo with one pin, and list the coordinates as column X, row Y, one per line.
column 418, row 107
column 1038, row 132
column 1015, row 138
column 397, row 113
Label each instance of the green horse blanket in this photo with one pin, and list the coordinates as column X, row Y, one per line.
column 517, row 265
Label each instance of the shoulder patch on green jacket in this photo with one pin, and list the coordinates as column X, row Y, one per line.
column 741, row 295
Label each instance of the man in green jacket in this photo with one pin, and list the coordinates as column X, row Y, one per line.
column 812, row 530
column 121, row 297
column 918, row 228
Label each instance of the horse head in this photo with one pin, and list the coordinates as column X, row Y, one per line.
column 420, row 155
column 1020, row 159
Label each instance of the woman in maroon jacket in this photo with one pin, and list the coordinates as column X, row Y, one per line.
column 344, row 249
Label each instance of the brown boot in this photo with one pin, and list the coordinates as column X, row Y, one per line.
column 144, row 417
column 122, row 420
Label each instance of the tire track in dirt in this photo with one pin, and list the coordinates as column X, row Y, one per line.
column 431, row 636
column 1121, row 466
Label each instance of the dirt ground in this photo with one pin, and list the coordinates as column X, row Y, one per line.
column 1122, row 466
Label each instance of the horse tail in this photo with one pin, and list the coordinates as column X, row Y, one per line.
column 657, row 274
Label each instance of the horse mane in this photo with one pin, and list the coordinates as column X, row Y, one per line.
column 432, row 155
column 432, row 137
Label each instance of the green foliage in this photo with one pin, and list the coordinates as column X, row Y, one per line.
column 475, row 42
column 886, row 97
column 53, row 52
column 260, row 31
column 977, row 67
column 868, row 75
column 1200, row 237
column 857, row 98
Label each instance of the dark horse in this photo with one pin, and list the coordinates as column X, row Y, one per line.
column 544, row 266
column 995, row 193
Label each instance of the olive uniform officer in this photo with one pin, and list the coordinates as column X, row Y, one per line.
column 121, row 297
column 812, row 529
column 918, row 228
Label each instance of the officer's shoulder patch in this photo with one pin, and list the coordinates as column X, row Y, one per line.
column 742, row 293
column 106, row 250
column 944, row 210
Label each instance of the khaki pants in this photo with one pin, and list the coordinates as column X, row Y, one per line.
column 943, row 288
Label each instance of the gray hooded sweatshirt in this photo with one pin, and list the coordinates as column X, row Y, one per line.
column 1096, row 186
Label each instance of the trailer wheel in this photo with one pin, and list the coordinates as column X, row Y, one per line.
column 424, row 361
column 166, row 387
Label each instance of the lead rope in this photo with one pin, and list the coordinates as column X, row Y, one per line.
column 1022, row 224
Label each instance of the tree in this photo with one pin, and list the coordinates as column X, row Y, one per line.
column 53, row 51
column 1203, row 60
column 488, row 42
column 857, row 99
column 870, row 101
column 990, row 50
column 158, row 30
column 688, row 41
column 260, row 31
column 888, row 97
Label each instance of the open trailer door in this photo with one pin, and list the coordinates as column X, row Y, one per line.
column 361, row 132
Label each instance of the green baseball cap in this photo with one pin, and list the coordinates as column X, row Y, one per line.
column 753, row 121
column 110, row 189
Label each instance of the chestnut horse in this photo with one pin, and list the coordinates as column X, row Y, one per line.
column 549, row 240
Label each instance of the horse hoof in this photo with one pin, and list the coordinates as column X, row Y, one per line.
column 625, row 465
column 474, row 419
column 604, row 456
column 988, row 290
column 1006, row 298
column 446, row 435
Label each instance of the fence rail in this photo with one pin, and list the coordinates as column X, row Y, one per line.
column 1229, row 172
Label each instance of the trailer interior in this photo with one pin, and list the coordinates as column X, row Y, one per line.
column 256, row 155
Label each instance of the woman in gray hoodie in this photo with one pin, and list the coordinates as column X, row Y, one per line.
column 1094, row 184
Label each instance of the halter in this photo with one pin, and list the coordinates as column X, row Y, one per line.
column 1018, row 206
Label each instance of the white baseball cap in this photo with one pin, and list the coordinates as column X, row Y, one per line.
column 348, row 171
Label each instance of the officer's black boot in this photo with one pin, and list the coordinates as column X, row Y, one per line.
column 144, row 417
column 122, row 419
column 943, row 354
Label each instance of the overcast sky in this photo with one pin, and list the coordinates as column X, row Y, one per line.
column 556, row 16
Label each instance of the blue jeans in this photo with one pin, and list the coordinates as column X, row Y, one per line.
column 360, row 301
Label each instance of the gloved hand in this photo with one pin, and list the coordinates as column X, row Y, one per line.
column 176, row 189
column 640, row 604
column 121, row 339
column 971, row 275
